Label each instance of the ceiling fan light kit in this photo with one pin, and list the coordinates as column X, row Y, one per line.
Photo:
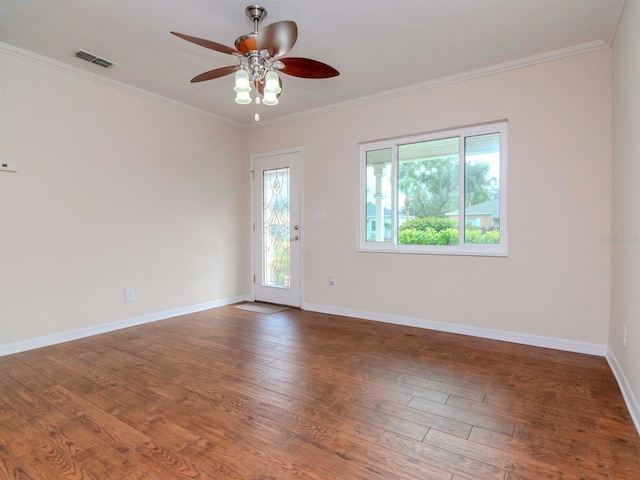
column 259, row 59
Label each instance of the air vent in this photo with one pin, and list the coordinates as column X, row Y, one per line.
column 91, row 58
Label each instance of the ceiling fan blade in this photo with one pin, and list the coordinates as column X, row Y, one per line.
column 217, row 73
column 278, row 38
column 206, row 43
column 307, row 68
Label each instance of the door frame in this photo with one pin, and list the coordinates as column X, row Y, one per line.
column 254, row 273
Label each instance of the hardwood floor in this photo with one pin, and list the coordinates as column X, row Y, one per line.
column 231, row 394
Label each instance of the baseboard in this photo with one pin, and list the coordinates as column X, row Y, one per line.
column 525, row 339
column 533, row 340
column 627, row 393
column 47, row 340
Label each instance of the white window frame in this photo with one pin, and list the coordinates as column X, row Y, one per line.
column 498, row 250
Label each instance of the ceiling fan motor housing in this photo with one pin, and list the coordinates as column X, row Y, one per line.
column 247, row 43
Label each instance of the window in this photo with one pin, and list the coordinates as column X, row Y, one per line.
column 442, row 193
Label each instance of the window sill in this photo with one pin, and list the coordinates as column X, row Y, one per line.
column 483, row 251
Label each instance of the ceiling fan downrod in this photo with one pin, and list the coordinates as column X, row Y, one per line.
column 256, row 13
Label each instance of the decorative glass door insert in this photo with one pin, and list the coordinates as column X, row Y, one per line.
column 276, row 228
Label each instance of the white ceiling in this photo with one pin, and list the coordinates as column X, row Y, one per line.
column 379, row 47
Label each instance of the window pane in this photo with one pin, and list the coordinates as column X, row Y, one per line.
column 378, row 214
column 428, row 192
column 482, row 189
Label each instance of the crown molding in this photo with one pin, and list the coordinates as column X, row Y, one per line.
column 442, row 81
column 73, row 70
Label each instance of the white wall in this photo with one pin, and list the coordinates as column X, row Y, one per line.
column 625, row 307
column 556, row 279
column 114, row 190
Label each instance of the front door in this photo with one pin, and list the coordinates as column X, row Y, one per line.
column 276, row 228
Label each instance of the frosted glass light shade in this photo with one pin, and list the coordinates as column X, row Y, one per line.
column 242, row 81
column 270, row 98
column 243, row 98
column 272, row 83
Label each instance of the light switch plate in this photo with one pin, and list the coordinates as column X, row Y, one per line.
column 8, row 165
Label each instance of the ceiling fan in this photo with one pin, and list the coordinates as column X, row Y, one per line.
column 259, row 54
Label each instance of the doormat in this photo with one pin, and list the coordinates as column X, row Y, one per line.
column 261, row 307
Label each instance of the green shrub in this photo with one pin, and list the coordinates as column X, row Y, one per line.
column 448, row 237
column 441, row 231
column 475, row 235
column 429, row 236
column 413, row 236
column 436, row 223
column 428, row 231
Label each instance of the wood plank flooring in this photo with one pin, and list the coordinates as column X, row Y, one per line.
column 231, row 394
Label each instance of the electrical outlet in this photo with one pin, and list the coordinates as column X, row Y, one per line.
column 624, row 337
column 332, row 282
column 129, row 295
